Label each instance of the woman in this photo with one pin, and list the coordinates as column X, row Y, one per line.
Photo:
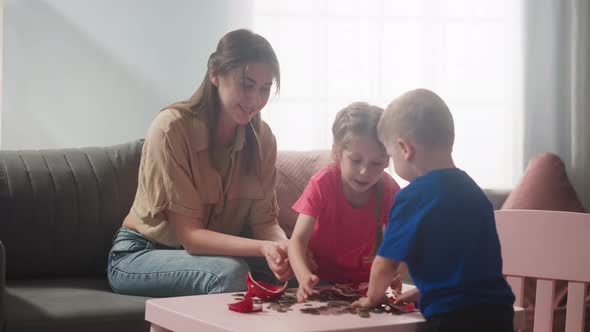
column 207, row 172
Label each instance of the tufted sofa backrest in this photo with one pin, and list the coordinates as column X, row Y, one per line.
column 59, row 209
column 294, row 169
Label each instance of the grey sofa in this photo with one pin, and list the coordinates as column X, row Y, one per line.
column 59, row 211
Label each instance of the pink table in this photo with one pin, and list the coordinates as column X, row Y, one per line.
column 210, row 313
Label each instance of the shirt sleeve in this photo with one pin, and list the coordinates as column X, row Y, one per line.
column 166, row 176
column 265, row 210
column 401, row 232
column 310, row 201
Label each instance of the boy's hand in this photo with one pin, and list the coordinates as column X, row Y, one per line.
column 365, row 302
column 278, row 260
column 411, row 296
column 396, row 285
column 306, row 287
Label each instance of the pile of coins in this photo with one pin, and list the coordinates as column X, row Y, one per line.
column 333, row 304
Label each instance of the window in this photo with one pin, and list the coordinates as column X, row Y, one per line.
column 335, row 52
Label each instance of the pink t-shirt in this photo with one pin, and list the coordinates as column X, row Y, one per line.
column 343, row 236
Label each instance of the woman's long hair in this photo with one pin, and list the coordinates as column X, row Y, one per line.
column 235, row 50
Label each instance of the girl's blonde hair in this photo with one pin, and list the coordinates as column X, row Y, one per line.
column 235, row 50
column 357, row 119
column 360, row 119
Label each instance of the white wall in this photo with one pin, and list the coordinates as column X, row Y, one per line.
column 82, row 72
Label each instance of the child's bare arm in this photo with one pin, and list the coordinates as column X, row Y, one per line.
column 402, row 270
column 396, row 285
column 383, row 271
column 299, row 258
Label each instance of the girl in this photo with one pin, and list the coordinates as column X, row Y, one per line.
column 344, row 206
column 207, row 170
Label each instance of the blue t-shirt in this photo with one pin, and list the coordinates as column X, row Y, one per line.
column 442, row 225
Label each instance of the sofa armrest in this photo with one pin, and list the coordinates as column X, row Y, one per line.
column 2, row 284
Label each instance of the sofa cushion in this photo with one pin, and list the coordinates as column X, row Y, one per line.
column 60, row 208
column 545, row 186
column 294, row 169
column 71, row 305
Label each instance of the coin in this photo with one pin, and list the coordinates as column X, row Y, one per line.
column 331, row 303
column 364, row 314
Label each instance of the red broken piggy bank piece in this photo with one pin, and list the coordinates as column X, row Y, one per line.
column 401, row 307
column 245, row 306
column 262, row 290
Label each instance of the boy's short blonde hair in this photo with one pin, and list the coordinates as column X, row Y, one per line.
column 357, row 119
column 420, row 116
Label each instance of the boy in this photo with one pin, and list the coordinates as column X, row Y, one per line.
column 441, row 225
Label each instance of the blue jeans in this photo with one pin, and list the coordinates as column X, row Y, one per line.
column 138, row 266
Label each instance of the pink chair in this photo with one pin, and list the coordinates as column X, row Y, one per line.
column 547, row 246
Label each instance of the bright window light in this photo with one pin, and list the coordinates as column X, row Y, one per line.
column 336, row 52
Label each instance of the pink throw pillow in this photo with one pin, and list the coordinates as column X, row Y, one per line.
column 545, row 186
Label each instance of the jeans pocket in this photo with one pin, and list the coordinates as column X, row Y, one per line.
column 126, row 242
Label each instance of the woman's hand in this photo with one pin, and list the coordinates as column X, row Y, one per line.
column 306, row 286
column 278, row 260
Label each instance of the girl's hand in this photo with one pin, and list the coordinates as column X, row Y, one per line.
column 306, row 286
column 412, row 296
column 278, row 260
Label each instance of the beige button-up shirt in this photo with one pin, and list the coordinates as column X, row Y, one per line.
column 175, row 174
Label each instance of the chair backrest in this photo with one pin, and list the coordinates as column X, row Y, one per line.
column 547, row 246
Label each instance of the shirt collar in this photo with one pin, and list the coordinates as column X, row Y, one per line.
column 202, row 133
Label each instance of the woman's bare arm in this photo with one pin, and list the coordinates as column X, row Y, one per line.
column 198, row 240
column 270, row 231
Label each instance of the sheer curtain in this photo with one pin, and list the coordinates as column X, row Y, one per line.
column 335, row 52
column 557, row 86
